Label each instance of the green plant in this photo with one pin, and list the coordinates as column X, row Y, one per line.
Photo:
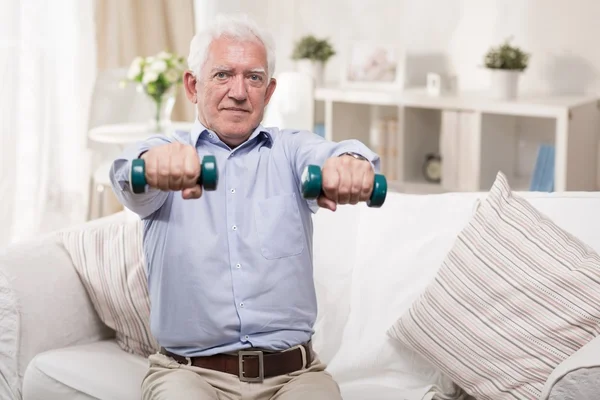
column 506, row 56
column 309, row 47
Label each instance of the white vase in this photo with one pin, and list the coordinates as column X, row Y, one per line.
column 316, row 69
column 504, row 84
column 161, row 109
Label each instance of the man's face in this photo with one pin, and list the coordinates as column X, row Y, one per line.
column 233, row 89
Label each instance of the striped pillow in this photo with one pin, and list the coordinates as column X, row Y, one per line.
column 514, row 297
column 109, row 260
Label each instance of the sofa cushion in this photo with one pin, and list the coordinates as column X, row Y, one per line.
column 361, row 390
column 99, row 370
column 515, row 296
column 397, row 252
column 333, row 266
column 111, row 265
column 576, row 378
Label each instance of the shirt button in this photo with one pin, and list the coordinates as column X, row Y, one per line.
column 232, row 190
column 234, row 228
column 246, row 337
column 238, row 265
column 242, row 305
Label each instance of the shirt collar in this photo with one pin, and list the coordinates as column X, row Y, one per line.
column 199, row 130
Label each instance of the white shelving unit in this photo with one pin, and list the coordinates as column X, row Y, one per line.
column 476, row 136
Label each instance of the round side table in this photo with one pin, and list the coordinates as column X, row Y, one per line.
column 120, row 135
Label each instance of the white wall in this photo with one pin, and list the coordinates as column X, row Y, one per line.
column 562, row 35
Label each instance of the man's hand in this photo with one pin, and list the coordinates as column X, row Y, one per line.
column 174, row 166
column 346, row 180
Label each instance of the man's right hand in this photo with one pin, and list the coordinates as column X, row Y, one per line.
column 174, row 167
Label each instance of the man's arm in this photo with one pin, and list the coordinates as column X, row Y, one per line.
column 306, row 148
column 142, row 204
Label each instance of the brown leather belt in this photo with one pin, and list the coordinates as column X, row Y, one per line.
column 251, row 365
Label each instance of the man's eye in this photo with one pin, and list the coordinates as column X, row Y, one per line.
column 221, row 75
column 255, row 77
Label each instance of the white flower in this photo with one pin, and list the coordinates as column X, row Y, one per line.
column 135, row 68
column 137, row 61
column 172, row 75
column 158, row 66
column 150, row 76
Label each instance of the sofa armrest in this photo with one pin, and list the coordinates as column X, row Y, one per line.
column 43, row 306
column 582, row 373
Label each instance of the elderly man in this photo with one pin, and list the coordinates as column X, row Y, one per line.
column 230, row 271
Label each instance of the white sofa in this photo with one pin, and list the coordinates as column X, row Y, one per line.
column 53, row 345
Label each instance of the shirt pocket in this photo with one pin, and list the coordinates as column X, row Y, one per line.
column 279, row 226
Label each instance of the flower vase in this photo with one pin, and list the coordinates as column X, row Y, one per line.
column 161, row 109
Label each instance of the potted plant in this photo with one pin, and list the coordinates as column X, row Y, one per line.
column 158, row 77
column 311, row 54
column 506, row 63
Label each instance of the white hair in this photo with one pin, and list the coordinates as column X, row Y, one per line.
column 232, row 26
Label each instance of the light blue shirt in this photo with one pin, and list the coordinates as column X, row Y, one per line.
column 233, row 269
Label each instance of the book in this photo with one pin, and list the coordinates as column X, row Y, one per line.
column 543, row 173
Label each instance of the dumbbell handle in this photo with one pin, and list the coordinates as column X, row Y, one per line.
column 208, row 179
column 312, row 186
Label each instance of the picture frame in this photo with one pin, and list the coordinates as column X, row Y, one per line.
column 372, row 65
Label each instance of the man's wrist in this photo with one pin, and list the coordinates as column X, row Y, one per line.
column 355, row 155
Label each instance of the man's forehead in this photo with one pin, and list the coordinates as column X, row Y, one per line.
column 227, row 51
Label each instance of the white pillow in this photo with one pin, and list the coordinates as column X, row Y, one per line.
column 399, row 249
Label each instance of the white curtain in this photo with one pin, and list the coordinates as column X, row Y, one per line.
column 47, row 70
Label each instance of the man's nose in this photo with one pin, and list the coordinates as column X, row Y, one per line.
column 237, row 90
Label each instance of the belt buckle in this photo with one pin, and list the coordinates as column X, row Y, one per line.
column 261, row 367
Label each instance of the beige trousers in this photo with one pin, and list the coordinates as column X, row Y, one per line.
column 169, row 380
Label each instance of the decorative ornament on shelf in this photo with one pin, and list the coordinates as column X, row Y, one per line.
column 506, row 63
column 311, row 55
column 432, row 168
column 158, row 77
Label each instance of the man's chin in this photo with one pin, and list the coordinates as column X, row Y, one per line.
column 239, row 129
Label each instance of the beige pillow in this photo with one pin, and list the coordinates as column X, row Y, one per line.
column 109, row 260
column 515, row 296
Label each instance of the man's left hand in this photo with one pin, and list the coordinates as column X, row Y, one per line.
column 346, row 180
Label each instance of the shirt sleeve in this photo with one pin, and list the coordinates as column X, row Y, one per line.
column 306, row 148
column 152, row 199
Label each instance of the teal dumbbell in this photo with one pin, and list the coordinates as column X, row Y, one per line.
column 208, row 179
column 312, row 186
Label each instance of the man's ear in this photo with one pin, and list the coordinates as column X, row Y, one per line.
column 189, row 82
column 270, row 90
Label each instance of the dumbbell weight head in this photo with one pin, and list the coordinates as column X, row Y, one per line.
column 210, row 174
column 137, row 178
column 312, row 182
column 312, row 186
column 208, row 179
column 379, row 191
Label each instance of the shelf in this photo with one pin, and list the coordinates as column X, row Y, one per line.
column 358, row 96
column 526, row 105
column 477, row 136
column 531, row 106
